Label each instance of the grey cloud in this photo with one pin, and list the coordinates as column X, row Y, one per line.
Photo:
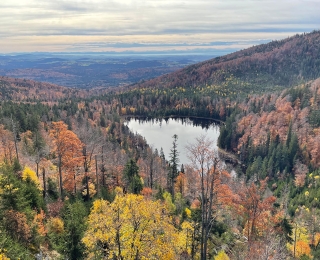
column 127, row 18
column 173, row 45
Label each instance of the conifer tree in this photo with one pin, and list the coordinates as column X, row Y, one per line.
column 174, row 160
column 132, row 177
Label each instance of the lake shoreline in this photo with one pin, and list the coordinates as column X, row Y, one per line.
column 158, row 132
column 128, row 117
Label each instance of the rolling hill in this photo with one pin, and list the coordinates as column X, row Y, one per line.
column 266, row 67
column 26, row 90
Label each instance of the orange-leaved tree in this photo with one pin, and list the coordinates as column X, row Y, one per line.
column 68, row 149
column 7, row 149
column 254, row 209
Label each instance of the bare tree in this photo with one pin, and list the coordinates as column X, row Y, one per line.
column 92, row 141
column 205, row 162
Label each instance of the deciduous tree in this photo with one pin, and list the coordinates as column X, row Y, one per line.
column 131, row 227
column 205, row 162
column 254, row 209
column 68, row 149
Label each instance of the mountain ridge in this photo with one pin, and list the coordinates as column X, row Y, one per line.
column 26, row 90
column 281, row 63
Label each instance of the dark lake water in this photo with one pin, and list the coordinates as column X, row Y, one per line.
column 158, row 133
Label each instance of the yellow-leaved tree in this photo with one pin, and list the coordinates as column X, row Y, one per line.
column 2, row 255
column 300, row 245
column 221, row 256
column 28, row 173
column 131, row 227
column 92, row 190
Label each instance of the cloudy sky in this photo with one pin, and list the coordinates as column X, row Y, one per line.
column 150, row 25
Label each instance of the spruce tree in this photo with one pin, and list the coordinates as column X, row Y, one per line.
column 174, row 160
column 132, row 177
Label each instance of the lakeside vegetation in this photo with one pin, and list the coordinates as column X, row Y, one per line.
column 76, row 183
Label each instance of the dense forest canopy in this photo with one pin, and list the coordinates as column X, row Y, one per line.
column 269, row 66
column 75, row 183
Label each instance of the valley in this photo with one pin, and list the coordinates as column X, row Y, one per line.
column 80, row 181
column 91, row 70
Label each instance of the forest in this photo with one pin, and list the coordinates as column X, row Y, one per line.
column 75, row 183
column 87, row 70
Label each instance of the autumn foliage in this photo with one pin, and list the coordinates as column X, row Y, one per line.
column 131, row 228
column 268, row 208
column 68, row 149
column 254, row 210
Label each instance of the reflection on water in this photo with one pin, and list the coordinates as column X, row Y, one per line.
column 159, row 132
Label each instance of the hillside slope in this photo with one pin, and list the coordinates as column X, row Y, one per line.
column 32, row 91
column 270, row 66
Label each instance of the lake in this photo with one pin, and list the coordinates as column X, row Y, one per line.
column 159, row 133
